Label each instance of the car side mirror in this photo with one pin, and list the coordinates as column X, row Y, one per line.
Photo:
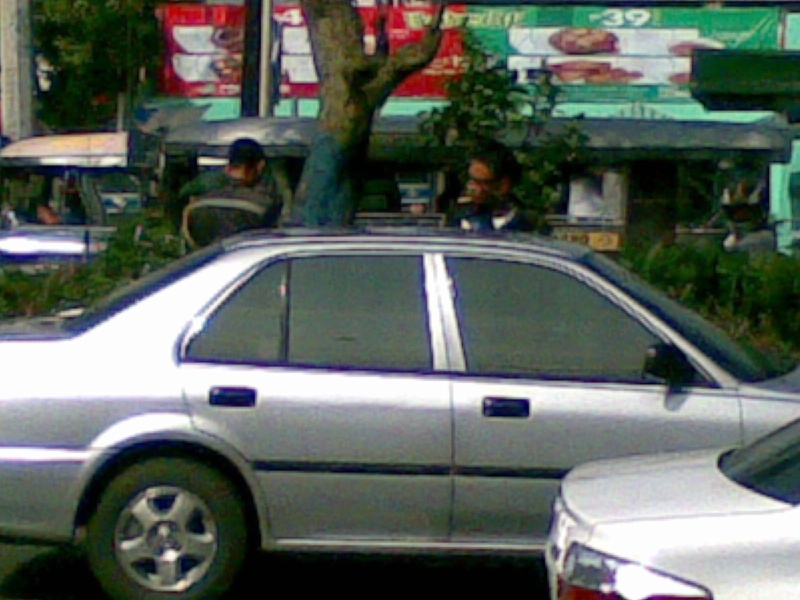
column 669, row 364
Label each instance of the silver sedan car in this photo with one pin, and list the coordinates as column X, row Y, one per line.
column 689, row 526
column 350, row 391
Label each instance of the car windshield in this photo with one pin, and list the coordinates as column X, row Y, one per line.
column 770, row 465
column 747, row 365
column 132, row 293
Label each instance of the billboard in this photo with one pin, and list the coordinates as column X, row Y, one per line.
column 405, row 24
column 596, row 53
column 205, row 46
column 617, row 54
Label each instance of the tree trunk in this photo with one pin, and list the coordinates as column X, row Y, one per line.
column 353, row 86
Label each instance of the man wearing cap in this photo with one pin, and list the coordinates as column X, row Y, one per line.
column 242, row 196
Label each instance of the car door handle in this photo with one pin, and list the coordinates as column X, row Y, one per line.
column 506, row 407
column 233, row 397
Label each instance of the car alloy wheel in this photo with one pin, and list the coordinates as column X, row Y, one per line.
column 166, row 539
column 168, row 528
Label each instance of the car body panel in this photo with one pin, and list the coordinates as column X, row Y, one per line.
column 536, row 452
column 758, row 415
column 26, row 512
column 44, row 244
column 376, row 453
column 646, row 486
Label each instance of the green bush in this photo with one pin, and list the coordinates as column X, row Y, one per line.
column 755, row 298
column 137, row 247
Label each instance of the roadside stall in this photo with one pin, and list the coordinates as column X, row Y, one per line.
column 643, row 179
column 653, row 179
column 62, row 196
column 401, row 172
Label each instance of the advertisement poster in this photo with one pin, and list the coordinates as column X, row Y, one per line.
column 618, row 54
column 405, row 24
column 205, row 45
column 595, row 53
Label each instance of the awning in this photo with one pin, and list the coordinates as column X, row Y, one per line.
column 393, row 138
column 620, row 139
column 399, row 138
column 278, row 136
column 82, row 150
column 79, row 150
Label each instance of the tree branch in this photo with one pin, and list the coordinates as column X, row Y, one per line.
column 410, row 58
column 335, row 30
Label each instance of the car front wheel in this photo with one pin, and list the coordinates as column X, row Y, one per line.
column 168, row 528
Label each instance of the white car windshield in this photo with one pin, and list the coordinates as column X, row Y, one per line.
column 770, row 465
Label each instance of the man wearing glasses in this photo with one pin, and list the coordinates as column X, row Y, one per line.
column 488, row 202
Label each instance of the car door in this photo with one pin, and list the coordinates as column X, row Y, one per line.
column 553, row 376
column 320, row 370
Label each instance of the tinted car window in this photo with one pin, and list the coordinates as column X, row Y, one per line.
column 520, row 319
column 359, row 312
column 749, row 366
column 247, row 328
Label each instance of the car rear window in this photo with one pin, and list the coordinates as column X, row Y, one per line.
column 359, row 312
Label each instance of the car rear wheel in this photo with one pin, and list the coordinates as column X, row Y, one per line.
column 168, row 528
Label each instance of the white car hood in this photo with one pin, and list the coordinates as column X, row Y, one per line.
column 687, row 484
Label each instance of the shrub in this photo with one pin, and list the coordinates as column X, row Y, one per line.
column 755, row 298
column 137, row 247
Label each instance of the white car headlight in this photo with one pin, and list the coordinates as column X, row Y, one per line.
column 592, row 575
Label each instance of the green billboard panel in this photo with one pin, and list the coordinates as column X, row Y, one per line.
column 603, row 54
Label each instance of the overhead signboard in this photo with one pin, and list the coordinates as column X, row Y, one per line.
column 618, row 54
column 205, row 45
column 748, row 80
column 596, row 53
column 405, row 24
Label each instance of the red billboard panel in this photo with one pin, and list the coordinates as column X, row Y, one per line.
column 205, row 46
column 404, row 25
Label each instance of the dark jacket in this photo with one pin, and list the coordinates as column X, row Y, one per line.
column 504, row 215
column 221, row 207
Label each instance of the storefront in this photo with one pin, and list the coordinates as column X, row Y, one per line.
column 623, row 69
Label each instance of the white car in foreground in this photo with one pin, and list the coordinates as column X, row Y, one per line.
column 703, row 525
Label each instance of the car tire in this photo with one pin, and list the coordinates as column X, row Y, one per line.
column 168, row 528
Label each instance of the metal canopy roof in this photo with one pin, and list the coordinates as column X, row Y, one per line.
column 399, row 138
column 692, row 140
column 81, row 150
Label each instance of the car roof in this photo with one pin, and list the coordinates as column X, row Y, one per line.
column 425, row 236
